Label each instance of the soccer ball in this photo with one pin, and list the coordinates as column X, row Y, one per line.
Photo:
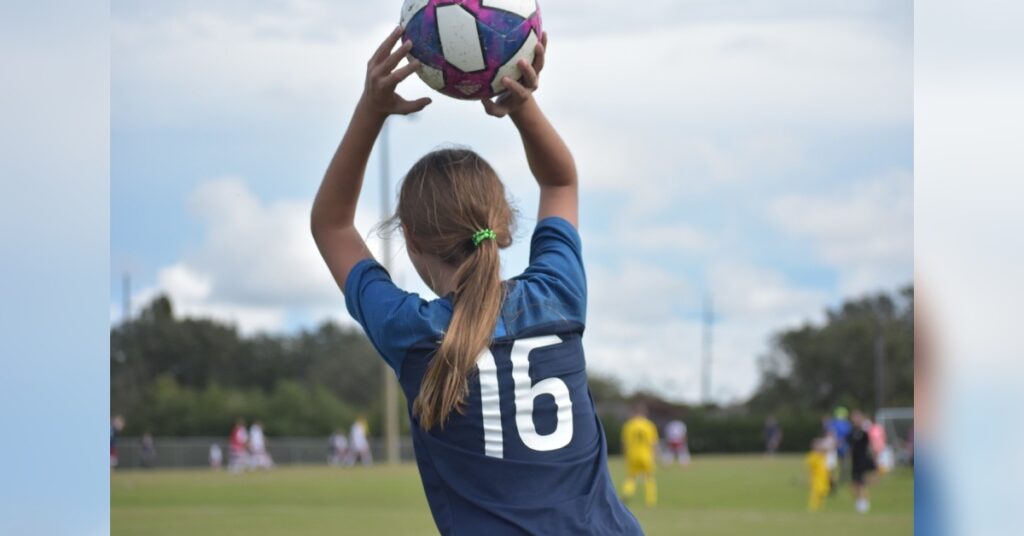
column 467, row 46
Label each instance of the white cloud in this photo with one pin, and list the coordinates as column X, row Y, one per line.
column 644, row 326
column 256, row 265
column 865, row 231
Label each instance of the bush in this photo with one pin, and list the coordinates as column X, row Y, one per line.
column 290, row 409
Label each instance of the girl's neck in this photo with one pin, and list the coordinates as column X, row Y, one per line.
column 438, row 275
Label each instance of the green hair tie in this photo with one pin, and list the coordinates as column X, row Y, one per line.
column 483, row 234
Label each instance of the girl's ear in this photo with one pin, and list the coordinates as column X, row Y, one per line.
column 409, row 244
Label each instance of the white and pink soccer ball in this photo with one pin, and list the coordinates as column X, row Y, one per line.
column 467, row 46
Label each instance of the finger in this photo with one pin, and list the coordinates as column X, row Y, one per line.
column 492, row 108
column 396, row 77
column 395, row 58
column 538, row 57
column 410, row 107
column 544, row 40
column 516, row 88
column 387, row 45
column 530, row 78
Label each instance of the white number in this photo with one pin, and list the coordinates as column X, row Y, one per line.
column 525, row 395
column 490, row 404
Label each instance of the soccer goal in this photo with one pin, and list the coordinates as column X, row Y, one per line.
column 898, row 424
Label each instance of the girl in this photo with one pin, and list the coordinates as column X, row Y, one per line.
column 504, row 428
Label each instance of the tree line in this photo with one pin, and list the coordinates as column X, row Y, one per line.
column 175, row 376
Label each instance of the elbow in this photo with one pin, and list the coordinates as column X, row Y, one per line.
column 317, row 225
column 324, row 226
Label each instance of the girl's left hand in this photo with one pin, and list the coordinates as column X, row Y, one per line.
column 382, row 78
column 519, row 93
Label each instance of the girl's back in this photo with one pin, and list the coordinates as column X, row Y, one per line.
column 526, row 452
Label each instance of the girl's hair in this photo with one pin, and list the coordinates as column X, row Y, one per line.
column 446, row 198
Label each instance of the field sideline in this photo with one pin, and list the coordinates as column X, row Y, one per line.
column 718, row 495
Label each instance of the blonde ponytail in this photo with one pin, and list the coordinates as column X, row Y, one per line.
column 452, row 205
column 477, row 303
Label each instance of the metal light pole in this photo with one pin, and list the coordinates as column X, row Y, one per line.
column 880, row 366
column 390, row 382
column 126, row 297
column 709, row 319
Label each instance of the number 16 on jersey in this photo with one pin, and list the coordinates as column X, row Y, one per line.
column 526, row 393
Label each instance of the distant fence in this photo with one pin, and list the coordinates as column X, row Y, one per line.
column 185, row 452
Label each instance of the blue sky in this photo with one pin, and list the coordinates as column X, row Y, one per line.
column 758, row 151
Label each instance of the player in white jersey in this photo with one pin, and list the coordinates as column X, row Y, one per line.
column 337, row 448
column 678, row 449
column 359, row 446
column 216, row 457
column 258, row 447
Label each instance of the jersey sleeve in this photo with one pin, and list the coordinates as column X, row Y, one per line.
column 556, row 267
column 394, row 320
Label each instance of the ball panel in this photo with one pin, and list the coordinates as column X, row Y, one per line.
column 431, row 76
column 467, row 85
column 511, row 68
column 523, row 8
column 500, row 47
column 499, row 21
column 410, row 9
column 426, row 43
column 460, row 39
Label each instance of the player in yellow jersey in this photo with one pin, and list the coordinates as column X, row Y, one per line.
column 639, row 440
column 818, row 474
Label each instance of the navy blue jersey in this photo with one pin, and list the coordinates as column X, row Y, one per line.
column 527, row 454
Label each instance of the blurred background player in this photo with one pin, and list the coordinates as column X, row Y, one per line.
column 675, row 436
column 862, row 462
column 840, row 426
column 359, row 446
column 772, row 436
column 238, row 448
column 337, row 448
column 258, row 447
column 639, row 440
column 148, row 451
column 116, row 425
column 830, row 445
column 817, row 474
column 216, row 457
column 884, row 456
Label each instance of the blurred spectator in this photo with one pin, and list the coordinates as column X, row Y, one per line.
column 258, row 447
column 884, row 457
column 238, row 448
column 148, row 454
column 675, row 436
column 359, row 446
column 216, row 457
column 116, row 425
column 337, row 448
column 772, row 436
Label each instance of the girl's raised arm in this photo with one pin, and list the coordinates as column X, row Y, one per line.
column 550, row 160
column 333, row 216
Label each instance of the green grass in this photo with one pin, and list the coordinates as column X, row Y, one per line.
column 717, row 495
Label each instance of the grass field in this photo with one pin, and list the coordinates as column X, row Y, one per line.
column 717, row 495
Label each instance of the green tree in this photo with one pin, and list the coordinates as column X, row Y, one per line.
column 815, row 367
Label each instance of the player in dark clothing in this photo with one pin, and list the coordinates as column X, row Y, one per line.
column 862, row 461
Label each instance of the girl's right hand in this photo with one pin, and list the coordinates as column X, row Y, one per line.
column 382, row 78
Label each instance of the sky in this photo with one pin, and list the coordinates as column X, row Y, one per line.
column 759, row 153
